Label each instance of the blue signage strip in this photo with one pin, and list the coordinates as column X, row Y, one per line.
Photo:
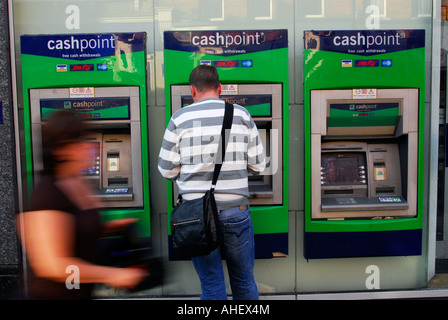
column 226, row 42
column 365, row 42
column 89, row 108
column 82, row 46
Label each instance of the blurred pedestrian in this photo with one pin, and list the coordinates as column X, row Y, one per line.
column 60, row 232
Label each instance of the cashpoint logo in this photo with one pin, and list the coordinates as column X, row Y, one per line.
column 364, row 42
column 227, row 39
column 236, row 100
column 81, row 43
column 81, row 46
column 226, row 42
column 368, row 41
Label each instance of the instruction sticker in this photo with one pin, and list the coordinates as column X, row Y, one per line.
column 380, row 174
column 364, row 93
column 84, row 92
column 229, row 89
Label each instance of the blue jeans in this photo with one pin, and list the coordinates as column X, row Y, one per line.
column 239, row 252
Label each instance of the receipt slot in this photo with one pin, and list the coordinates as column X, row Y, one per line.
column 113, row 120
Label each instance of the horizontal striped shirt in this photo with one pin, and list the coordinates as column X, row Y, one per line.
column 190, row 146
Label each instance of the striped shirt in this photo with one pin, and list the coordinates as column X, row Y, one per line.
column 190, row 145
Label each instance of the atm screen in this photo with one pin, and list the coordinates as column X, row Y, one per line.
column 343, row 168
column 93, row 168
column 258, row 105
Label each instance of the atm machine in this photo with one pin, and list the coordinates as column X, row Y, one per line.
column 102, row 78
column 253, row 70
column 364, row 154
column 264, row 103
column 113, row 121
column 364, row 126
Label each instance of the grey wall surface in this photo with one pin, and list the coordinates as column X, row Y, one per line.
column 9, row 264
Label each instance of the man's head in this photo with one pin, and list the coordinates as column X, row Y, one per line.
column 204, row 81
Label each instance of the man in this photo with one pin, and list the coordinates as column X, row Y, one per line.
column 187, row 156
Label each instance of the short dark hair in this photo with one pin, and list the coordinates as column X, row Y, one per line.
column 204, row 77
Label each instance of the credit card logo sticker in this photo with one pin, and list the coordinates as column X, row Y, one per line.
column 386, row 63
column 61, row 68
column 81, row 67
column 367, row 63
column 246, row 63
column 347, row 63
column 225, row 63
column 101, row 67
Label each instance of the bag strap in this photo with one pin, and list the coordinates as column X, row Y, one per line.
column 227, row 124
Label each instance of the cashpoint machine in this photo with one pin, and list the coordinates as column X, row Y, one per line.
column 114, row 139
column 372, row 171
column 364, row 129
column 264, row 102
column 253, row 69
column 101, row 78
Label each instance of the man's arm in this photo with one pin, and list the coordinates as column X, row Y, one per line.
column 169, row 156
column 256, row 158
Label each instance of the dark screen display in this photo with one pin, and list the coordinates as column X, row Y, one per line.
column 341, row 168
column 93, row 168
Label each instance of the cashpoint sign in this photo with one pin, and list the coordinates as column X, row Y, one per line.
column 363, row 146
column 113, row 104
column 253, row 70
column 104, row 108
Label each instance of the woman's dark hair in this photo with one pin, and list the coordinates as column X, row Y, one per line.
column 204, row 77
column 62, row 128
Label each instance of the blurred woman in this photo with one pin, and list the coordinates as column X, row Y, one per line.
column 60, row 232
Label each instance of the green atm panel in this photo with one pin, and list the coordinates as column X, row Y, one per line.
column 253, row 68
column 101, row 77
column 364, row 125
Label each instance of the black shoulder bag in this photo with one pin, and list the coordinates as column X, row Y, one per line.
column 195, row 228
